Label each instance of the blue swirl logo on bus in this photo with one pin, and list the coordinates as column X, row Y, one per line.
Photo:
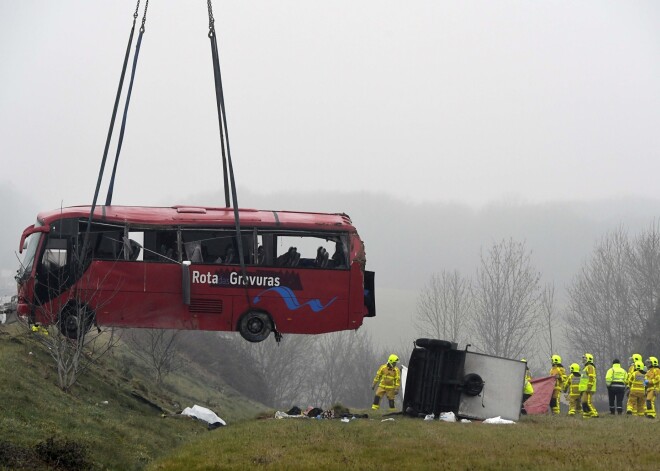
column 289, row 298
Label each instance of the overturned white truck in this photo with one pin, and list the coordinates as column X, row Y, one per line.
column 472, row 385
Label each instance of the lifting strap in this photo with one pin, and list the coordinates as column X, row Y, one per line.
column 227, row 166
column 112, row 121
column 108, row 200
column 220, row 104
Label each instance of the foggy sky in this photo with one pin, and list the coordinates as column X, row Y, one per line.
column 423, row 109
column 471, row 102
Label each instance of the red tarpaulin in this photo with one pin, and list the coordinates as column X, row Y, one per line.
column 540, row 400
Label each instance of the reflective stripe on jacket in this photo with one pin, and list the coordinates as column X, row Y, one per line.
column 653, row 377
column 636, row 382
column 588, row 378
column 616, row 374
column 388, row 378
column 574, row 381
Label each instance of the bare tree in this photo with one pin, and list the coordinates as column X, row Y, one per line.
column 599, row 315
column 343, row 366
column 69, row 338
column 286, row 368
column 506, row 296
column 158, row 348
column 443, row 307
column 549, row 317
column 644, row 271
column 64, row 290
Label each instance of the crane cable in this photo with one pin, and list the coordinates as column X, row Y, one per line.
column 112, row 123
column 227, row 166
column 108, row 200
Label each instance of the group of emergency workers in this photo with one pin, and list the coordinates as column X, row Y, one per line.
column 641, row 383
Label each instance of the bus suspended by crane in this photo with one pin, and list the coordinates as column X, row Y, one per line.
column 178, row 268
column 193, row 268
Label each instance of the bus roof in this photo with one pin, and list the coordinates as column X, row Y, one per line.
column 202, row 215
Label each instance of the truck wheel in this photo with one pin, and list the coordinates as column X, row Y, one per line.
column 255, row 326
column 75, row 320
column 473, row 384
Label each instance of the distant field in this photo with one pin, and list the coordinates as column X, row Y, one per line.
column 557, row 443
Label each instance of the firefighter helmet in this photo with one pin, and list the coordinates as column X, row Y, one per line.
column 575, row 368
column 639, row 366
column 556, row 359
column 653, row 361
column 588, row 358
column 635, row 358
column 393, row 359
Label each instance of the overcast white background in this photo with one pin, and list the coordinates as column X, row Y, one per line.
column 387, row 110
column 426, row 100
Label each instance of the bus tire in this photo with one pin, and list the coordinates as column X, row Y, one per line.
column 70, row 323
column 255, row 326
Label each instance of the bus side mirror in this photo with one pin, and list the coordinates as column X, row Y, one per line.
column 185, row 282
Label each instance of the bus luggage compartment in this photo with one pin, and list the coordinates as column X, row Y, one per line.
column 442, row 378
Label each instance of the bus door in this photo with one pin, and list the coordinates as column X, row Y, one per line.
column 213, row 256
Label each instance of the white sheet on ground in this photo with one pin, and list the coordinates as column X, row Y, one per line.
column 447, row 417
column 283, row 415
column 202, row 413
column 498, row 420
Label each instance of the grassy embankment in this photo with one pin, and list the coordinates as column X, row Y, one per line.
column 128, row 434
column 124, row 433
column 540, row 442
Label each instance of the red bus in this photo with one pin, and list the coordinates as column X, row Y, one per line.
column 178, row 268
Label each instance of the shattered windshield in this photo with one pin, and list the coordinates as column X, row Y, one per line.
column 32, row 242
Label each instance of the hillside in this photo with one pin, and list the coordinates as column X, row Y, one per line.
column 115, row 412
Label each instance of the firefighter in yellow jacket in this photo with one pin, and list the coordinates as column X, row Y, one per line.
column 388, row 380
column 631, row 369
column 637, row 394
column 573, row 388
column 559, row 372
column 528, row 389
column 632, row 360
column 588, row 386
column 652, row 385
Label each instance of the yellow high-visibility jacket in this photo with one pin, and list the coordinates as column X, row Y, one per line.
column 559, row 372
column 636, row 382
column 653, row 378
column 388, row 377
column 616, row 374
column 574, row 382
column 528, row 389
column 588, row 378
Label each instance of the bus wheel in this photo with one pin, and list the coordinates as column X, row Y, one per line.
column 75, row 320
column 255, row 326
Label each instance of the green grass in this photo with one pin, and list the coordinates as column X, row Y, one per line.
column 127, row 434
column 533, row 443
column 123, row 434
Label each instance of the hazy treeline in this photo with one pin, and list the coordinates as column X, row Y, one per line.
column 502, row 308
column 302, row 370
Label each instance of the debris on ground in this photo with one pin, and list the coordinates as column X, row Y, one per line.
column 499, row 421
column 205, row 415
